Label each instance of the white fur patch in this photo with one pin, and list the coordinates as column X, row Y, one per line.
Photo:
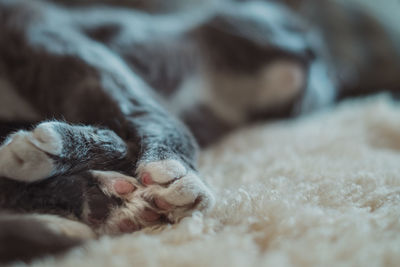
column 232, row 97
column 163, row 171
column 185, row 191
column 193, row 91
column 279, row 82
column 47, row 139
column 23, row 155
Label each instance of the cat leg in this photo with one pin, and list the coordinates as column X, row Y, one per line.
column 96, row 86
column 55, row 148
column 24, row 238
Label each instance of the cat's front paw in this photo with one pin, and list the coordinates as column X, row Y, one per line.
column 27, row 155
column 174, row 190
column 54, row 148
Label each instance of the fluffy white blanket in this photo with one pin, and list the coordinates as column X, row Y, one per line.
column 323, row 190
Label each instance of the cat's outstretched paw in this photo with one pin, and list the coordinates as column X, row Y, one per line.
column 55, row 148
column 173, row 189
column 26, row 155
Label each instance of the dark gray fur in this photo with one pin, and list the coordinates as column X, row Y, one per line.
column 24, row 239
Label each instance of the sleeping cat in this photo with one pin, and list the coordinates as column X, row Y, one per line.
column 90, row 72
column 124, row 98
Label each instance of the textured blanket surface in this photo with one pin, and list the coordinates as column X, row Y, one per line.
column 323, row 190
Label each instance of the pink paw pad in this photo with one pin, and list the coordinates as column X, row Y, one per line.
column 162, row 204
column 127, row 226
column 150, row 216
column 146, row 179
column 123, row 187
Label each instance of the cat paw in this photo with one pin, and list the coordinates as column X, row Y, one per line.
column 55, row 148
column 167, row 193
column 173, row 190
column 26, row 155
column 133, row 212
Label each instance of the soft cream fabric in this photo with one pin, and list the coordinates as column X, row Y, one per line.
column 323, row 190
